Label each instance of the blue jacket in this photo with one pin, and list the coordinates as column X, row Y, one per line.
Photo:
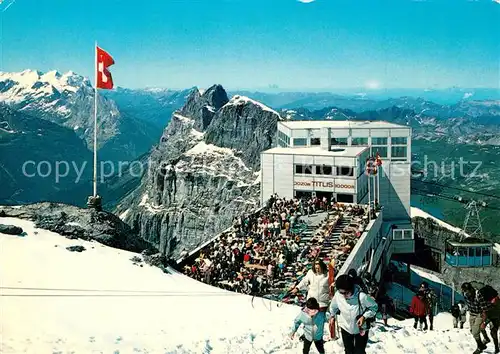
column 313, row 326
column 359, row 304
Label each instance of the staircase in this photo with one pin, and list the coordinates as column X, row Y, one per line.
column 334, row 238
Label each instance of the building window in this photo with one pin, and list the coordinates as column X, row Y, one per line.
column 283, row 139
column 399, row 141
column 379, row 141
column 382, row 150
column 399, row 152
column 408, row 234
column 397, row 234
column 338, row 141
column 402, row 234
column 303, row 169
column 345, row 171
column 315, row 141
column 359, row 141
column 324, row 170
column 345, row 198
column 299, row 142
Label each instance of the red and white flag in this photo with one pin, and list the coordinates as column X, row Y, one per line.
column 378, row 160
column 104, row 60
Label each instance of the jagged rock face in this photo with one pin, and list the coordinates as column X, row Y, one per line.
column 74, row 222
column 244, row 125
column 193, row 188
column 202, row 107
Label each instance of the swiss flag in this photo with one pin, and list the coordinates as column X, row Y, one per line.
column 378, row 159
column 104, row 60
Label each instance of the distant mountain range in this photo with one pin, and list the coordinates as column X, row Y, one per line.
column 359, row 100
column 153, row 106
column 467, row 122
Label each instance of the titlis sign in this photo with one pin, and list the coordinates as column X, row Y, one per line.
column 323, row 184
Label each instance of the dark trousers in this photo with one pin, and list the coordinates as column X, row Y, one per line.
column 431, row 320
column 422, row 320
column 354, row 343
column 318, row 343
column 495, row 324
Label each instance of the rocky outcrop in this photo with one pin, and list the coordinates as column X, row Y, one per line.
column 202, row 108
column 245, row 126
column 10, row 229
column 76, row 248
column 74, row 222
column 198, row 179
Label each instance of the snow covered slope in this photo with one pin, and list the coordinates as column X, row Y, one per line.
column 98, row 301
column 420, row 213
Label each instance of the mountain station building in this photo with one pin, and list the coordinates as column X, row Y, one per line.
column 328, row 158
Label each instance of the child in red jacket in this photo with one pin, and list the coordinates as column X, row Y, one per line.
column 419, row 309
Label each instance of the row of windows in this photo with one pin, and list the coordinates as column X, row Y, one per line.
column 468, row 251
column 397, row 152
column 354, row 141
column 324, row 170
column 402, row 234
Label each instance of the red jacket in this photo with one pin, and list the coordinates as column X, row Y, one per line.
column 418, row 306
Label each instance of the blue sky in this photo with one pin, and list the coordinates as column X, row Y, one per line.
column 326, row 44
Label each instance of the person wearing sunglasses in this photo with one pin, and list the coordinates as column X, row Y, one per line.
column 353, row 308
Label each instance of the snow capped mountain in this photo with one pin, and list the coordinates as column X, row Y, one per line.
column 99, row 301
column 65, row 99
column 68, row 100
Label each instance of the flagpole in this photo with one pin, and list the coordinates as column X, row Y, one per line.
column 95, row 121
column 378, row 185
column 369, row 198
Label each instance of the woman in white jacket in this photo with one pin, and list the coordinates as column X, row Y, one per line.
column 353, row 308
column 316, row 283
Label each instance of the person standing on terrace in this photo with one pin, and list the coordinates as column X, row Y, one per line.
column 316, row 283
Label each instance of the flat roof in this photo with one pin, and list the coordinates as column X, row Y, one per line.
column 317, row 124
column 344, row 151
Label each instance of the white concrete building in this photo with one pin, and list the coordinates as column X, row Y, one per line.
column 315, row 172
column 328, row 157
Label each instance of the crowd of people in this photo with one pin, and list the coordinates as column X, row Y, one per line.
column 266, row 252
column 261, row 250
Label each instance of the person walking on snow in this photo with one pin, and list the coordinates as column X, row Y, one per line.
column 316, row 283
column 418, row 309
column 353, row 308
column 477, row 307
column 314, row 323
column 458, row 311
column 430, row 299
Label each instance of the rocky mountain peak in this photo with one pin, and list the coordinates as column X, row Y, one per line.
column 203, row 173
column 202, row 107
column 216, row 96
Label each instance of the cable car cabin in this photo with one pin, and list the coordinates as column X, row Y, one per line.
column 472, row 252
